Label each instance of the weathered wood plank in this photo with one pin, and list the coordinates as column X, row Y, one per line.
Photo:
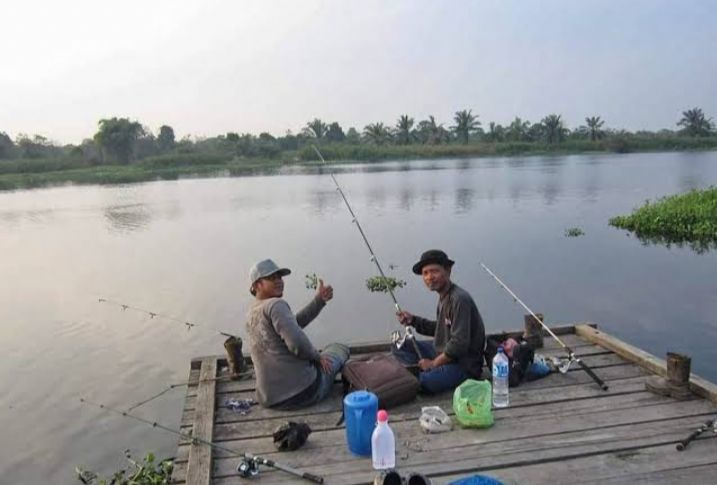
column 698, row 385
column 677, row 476
column 597, row 468
column 200, row 455
column 622, row 442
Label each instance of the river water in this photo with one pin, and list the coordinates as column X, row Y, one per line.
column 183, row 248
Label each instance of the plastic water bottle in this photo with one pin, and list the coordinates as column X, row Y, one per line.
column 500, row 379
column 383, row 444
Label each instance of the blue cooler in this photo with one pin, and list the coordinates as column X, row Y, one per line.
column 360, row 408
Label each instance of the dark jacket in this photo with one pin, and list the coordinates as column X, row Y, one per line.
column 458, row 330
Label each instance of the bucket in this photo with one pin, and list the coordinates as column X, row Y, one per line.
column 360, row 408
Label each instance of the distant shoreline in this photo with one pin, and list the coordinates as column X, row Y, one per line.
column 39, row 173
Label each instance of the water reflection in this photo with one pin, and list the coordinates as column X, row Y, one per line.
column 463, row 200
column 128, row 218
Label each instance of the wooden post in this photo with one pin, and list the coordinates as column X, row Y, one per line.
column 534, row 331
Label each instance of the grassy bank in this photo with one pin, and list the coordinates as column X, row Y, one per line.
column 689, row 218
column 31, row 173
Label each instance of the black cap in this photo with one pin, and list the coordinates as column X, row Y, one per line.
column 432, row 256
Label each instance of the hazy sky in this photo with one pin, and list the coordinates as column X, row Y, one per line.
column 208, row 67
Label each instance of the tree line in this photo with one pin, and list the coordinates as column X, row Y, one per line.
column 123, row 141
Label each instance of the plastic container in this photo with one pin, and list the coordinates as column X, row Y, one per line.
column 360, row 409
column 383, row 444
column 501, row 369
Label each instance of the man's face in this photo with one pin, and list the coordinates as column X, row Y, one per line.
column 270, row 287
column 436, row 277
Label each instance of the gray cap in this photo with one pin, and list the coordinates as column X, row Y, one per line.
column 264, row 268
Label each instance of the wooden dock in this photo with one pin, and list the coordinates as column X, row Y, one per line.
column 560, row 429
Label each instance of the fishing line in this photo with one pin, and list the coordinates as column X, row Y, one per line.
column 409, row 330
column 189, row 325
column 571, row 354
column 249, row 463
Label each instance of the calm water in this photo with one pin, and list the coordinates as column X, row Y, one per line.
column 184, row 249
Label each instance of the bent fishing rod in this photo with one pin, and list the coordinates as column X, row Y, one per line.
column 249, row 465
column 571, row 354
column 410, row 331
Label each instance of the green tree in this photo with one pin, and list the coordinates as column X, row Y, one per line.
column 594, row 125
column 7, row 147
column 496, row 132
column 404, row 125
column 118, row 136
column 376, row 133
column 518, row 130
column 553, row 129
column 352, row 136
column 466, row 124
column 315, row 129
column 166, row 139
column 432, row 133
column 335, row 133
column 695, row 123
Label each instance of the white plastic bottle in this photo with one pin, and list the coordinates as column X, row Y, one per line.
column 383, row 444
column 500, row 379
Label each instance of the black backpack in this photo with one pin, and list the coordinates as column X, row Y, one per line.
column 523, row 355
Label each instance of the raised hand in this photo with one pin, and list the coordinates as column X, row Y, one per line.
column 404, row 317
column 324, row 292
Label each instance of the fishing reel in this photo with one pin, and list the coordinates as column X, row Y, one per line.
column 398, row 338
column 248, row 467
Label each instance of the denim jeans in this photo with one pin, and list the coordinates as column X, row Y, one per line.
column 438, row 379
column 338, row 354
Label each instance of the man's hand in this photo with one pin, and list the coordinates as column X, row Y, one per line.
column 404, row 318
column 426, row 364
column 325, row 364
column 324, row 292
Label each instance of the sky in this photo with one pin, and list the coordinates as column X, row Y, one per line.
column 209, row 67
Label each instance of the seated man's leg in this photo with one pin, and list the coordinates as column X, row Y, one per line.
column 338, row 354
column 406, row 355
column 442, row 378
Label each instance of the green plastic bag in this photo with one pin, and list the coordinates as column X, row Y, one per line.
column 472, row 404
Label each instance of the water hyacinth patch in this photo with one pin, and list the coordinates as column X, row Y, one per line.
column 384, row 283
column 689, row 218
column 574, row 232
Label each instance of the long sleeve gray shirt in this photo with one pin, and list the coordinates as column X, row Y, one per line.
column 458, row 330
column 283, row 356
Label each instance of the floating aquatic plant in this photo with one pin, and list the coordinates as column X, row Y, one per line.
column 574, row 232
column 384, row 283
column 311, row 281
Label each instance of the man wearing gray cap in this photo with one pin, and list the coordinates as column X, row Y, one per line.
column 290, row 372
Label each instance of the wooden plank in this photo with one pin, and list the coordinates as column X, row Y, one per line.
column 629, row 448
column 675, row 476
column 598, row 468
column 698, row 385
column 200, row 456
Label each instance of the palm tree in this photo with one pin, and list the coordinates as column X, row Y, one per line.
column 695, row 123
column 594, row 124
column 466, row 124
column 431, row 132
column 403, row 130
column 554, row 129
column 315, row 129
column 495, row 132
column 518, row 130
column 376, row 133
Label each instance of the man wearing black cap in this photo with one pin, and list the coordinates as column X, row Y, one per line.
column 456, row 352
column 290, row 372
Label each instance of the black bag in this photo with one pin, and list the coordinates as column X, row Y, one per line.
column 523, row 355
column 382, row 375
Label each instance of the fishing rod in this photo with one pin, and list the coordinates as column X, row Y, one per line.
column 189, row 325
column 396, row 337
column 712, row 423
column 571, row 354
column 249, row 464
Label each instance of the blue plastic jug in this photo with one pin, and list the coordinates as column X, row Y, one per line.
column 360, row 408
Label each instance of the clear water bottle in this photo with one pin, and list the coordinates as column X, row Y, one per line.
column 500, row 379
column 383, row 444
